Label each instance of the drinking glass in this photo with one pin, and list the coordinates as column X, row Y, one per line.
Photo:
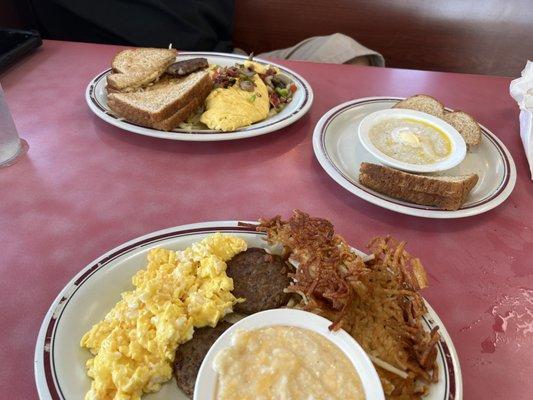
column 11, row 146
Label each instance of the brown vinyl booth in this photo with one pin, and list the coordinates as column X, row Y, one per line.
column 492, row 37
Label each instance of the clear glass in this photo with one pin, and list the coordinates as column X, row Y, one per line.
column 11, row 146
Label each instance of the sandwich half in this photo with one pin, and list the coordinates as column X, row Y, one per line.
column 445, row 192
column 165, row 104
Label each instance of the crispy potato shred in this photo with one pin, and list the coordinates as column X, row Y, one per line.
column 377, row 302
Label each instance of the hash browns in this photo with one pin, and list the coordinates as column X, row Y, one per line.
column 378, row 303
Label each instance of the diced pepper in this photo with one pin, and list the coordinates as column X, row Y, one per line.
column 274, row 99
column 282, row 92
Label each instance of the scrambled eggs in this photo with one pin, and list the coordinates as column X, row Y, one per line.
column 134, row 345
column 231, row 108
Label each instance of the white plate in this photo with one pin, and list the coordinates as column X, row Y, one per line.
column 96, row 97
column 60, row 361
column 338, row 149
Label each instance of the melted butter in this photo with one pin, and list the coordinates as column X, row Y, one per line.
column 284, row 362
column 410, row 140
column 404, row 136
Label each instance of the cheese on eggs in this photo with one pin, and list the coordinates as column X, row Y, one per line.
column 134, row 345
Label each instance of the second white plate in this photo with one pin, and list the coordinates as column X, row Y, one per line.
column 96, row 97
column 339, row 151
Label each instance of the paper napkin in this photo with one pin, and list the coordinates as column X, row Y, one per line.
column 521, row 90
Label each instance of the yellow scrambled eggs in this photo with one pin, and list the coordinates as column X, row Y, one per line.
column 134, row 345
column 232, row 108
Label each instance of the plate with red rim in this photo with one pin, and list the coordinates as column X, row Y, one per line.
column 339, row 151
column 59, row 361
column 96, row 97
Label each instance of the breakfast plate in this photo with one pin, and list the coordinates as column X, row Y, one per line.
column 96, row 97
column 60, row 361
column 340, row 153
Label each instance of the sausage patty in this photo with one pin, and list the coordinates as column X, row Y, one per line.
column 189, row 355
column 260, row 278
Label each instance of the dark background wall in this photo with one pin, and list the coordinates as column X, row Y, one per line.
column 473, row 36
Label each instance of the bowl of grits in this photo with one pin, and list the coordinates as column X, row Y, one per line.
column 411, row 140
column 286, row 353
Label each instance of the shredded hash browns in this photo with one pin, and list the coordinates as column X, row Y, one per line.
column 378, row 303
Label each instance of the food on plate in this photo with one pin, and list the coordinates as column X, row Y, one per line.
column 282, row 362
column 405, row 354
column 134, row 345
column 424, row 144
column 445, row 192
column 185, row 67
column 189, row 356
column 377, row 302
column 411, row 141
column 164, row 105
column 466, row 125
column 423, row 103
column 152, row 88
column 259, row 278
column 136, row 68
column 238, row 105
column 245, row 94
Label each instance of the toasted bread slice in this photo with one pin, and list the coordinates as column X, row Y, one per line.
column 136, row 68
column 465, row 125
column 423, row 103
column 445, row 192
column 166, row 104
column 181, row 115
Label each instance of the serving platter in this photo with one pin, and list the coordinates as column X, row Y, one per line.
column 340, row 153
column 96, row 97
column 60, row 361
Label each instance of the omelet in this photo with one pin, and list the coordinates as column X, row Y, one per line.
column 259, row 68
column 228, row 109
column 135, row 344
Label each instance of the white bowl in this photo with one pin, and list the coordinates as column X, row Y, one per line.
column 206, row 382
column 458, row 145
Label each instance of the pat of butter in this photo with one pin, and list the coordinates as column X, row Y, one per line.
column 404, row 136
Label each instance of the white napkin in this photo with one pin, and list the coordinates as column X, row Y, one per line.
column 521, row 90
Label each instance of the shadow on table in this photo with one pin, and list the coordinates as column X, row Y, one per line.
column 277, row 143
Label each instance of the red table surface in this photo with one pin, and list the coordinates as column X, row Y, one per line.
column 85, row 187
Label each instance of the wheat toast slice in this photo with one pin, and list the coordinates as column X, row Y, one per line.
column 422, row 103
column 466, row 125
column 135, row 68
column 445, row 192
column 160, row 107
